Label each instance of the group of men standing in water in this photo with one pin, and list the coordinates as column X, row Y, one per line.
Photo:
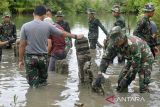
column 138, row 49
column 42, row 32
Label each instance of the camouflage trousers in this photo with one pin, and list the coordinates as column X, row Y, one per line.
column 93, row 43
column 36, row 69
column 144, row 73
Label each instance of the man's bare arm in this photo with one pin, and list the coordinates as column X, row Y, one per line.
column 66, row 34
column 3, row 43
column 49, row 46
column 22, row 46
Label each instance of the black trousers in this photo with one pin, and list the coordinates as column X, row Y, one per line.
column 93, row 43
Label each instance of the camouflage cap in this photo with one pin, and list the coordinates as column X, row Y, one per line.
column 91, row 11
column 116, row 8
column 116, row 34
column 6, row 14
column 149, row 7
column 59, row 14
column 116, row 5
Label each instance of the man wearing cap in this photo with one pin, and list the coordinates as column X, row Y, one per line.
column 138, row 55
column 65, row 25
column 119, row 18
column 143, row 29
column 33, row 46
column 8, row 29
column 119, row 22
column 94, row 23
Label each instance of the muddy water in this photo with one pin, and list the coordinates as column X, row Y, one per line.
column 66, row 90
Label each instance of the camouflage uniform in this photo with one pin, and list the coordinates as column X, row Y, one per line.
column 119, row 22
column 143, row 29
column 119, row 19
column 93, row 30
column 65, row 26
column 8, row 31
column 138, row 56
column 36, row 69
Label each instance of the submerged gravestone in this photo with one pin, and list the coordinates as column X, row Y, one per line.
column 61, row 66
column 88, row 69
column 83, row 55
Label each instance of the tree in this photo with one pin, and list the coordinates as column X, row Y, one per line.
column 4, row 4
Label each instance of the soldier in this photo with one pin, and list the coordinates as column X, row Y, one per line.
column 8, row 29
column 119, row 18
column 143, row 29
column 154, row 30
column 49, row 13
column 138, row 56
column 119, row 22
column 65, row 26
column 3, row 42
column 94, row 23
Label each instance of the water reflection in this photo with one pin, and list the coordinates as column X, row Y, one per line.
column 71, row 94
column 12, row 83
column 65, row 90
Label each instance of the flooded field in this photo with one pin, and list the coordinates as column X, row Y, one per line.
column 66, row 90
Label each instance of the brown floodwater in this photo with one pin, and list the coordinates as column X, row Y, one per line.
column 65, row 90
